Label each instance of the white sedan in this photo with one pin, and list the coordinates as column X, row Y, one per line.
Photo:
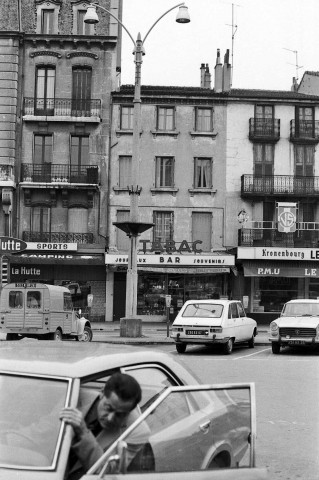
column 210, row 322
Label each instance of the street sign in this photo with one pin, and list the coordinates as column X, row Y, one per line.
column 11, row 245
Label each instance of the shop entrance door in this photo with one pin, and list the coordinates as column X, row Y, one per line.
column 119, row 296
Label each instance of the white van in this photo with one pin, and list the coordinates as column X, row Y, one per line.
column 38, row 310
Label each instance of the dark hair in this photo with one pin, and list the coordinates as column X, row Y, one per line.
column 125, row 387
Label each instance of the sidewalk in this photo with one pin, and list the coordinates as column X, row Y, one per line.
column 154, row 333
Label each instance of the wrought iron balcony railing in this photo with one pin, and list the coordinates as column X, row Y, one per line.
column 267, row 129
column 270, row 237
column 307, row 130
column 65, row 107
column 6, row 173
column 281, row 185
column 56, row 173
column 58, row 237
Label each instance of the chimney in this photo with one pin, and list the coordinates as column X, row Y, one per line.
column 294, row 86
column 207, row 82
column 218, row 87
column 226, row 73
column 202, row 75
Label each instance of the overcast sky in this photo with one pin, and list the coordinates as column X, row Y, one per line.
column 265, row 29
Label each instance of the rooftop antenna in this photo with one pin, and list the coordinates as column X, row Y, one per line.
column 296, row 63
column 234, row 28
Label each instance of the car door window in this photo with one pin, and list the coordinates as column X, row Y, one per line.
column 233, row 312
column 241, row 310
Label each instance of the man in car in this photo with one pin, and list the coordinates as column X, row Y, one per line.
column 101, row 418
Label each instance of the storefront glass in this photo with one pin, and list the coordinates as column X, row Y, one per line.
column 152, row 289
column 270, row 293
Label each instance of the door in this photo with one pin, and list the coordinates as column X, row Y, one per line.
column 119, row 296
column 14, row 307
column 235, row 323
column 81, row 92
column 247, row 328
column 34, row 308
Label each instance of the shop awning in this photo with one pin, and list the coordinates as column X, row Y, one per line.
column 281, row 269
column 63, row 259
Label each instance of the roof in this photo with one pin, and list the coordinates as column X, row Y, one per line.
column 76, row 359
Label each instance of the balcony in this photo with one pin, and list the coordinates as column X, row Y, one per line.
column 61, row 109
column 6, row 176
column 58, row 237
column 279, row 185
column 304, row 131
column 59, row 174
column 264, row 129
column 306, row 236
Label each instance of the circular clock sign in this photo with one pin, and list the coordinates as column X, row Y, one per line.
column 11, row 245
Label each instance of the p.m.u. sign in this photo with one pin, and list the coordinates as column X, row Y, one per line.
column 11, row 245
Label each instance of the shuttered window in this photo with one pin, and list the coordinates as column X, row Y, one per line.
column 202, row 229
column 122, row 240
column 125, row 171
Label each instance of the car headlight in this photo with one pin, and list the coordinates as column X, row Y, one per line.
column 273, row 327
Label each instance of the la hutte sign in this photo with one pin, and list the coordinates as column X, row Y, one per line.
column 11, row 245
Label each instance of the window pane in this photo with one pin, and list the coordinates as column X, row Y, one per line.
column 82, row 28
column 165, row 118
column 47, row 21
column 164, row 172
column 163, row 229
column 125, row 171
column 79, row 150
column 203, row 173
column 204, row 120
column 127, row 115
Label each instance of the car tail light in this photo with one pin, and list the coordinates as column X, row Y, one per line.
column 216, row 330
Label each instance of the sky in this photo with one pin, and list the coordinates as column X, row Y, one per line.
column 262, row 36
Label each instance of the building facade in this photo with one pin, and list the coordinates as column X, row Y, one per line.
column 54, row 159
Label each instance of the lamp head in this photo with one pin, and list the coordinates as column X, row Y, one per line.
column 91, row 16
column 183, row 15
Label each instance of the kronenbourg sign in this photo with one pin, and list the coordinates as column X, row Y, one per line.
column 11, row 245
column 287, row 217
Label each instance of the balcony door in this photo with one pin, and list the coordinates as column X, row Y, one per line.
column 81, row 92
column 44, row 91
column 40, row 224
column 305, row 122
column 79, row 158
column 263, row 168
column 304, row 169
column 42, row 158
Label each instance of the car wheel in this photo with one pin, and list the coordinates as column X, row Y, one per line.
column 228, row 346
column 181, row 347
column 275, row 347
column 87, row 335
column 13, row 336
column 57, row 335
column 251, row 342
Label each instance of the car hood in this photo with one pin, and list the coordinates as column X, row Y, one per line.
column 300, row 322
column 197, row 322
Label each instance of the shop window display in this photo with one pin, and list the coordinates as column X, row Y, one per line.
column 271, row 293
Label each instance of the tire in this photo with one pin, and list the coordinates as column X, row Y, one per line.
column 181, row 347
column 57, row 335
column 251, row 342
column 87, row 335
column 275, row 347
column 13, row 336
column 228, row 346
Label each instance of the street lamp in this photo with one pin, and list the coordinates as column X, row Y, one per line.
column 133, row 228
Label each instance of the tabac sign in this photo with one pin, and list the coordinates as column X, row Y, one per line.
column 287, row 217
column 11, row 245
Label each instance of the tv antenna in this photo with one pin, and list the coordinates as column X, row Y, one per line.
column 296, row 62
column 234, row 28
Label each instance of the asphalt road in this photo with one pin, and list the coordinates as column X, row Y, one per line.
column 287, row 398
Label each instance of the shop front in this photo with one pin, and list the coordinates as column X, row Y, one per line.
column 63, row 264
column 183, row 277
column 274, row 275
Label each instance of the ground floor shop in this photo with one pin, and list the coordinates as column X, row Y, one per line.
column 182, row 282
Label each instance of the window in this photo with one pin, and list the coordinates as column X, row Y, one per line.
column 232, row 312
column 127, row 116
column 82, row 28
column 263, row 159
column 47, row 21
column 81, row 91
column 165, row 118
column 67, row 301
column 304, row 160
column 264, row 111
column 33, row 299
column 79, row 158
column 45, row 90
column 203, row 119
column 42, row 158
column 125, row 171
column 203, row 173
column 164, row 226
column 305, row 123
column 164, row 172
column 15, row 299
column 202, row 229
column 122, row 240
column 40, row 219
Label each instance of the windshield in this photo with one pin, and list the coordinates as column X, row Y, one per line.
column 211, row 310
column 29, row 419
column 301, row 310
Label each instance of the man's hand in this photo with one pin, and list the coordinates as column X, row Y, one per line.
column 74, row 417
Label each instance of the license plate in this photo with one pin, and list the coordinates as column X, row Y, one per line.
column 195, row 332
column 296, row 342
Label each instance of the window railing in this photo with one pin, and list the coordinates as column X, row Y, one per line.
column 254, row 185
column 64, row 107
column 304, row 129
column 271, row 237
column 264, row 128
column 56, row 173
column 58, row 237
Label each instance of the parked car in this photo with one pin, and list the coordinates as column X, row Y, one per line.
column 298, row 325
column 210, row 322
column 193, row 428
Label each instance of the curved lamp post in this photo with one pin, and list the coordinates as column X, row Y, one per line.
column 133, row 228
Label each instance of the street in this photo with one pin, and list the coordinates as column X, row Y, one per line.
column 287, row 398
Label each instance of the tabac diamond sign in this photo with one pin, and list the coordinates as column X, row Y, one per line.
column 287, row 217
column 11, row 245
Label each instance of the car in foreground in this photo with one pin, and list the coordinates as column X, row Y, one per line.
column 194, row 430
column 297, row 326
column 212, row 322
